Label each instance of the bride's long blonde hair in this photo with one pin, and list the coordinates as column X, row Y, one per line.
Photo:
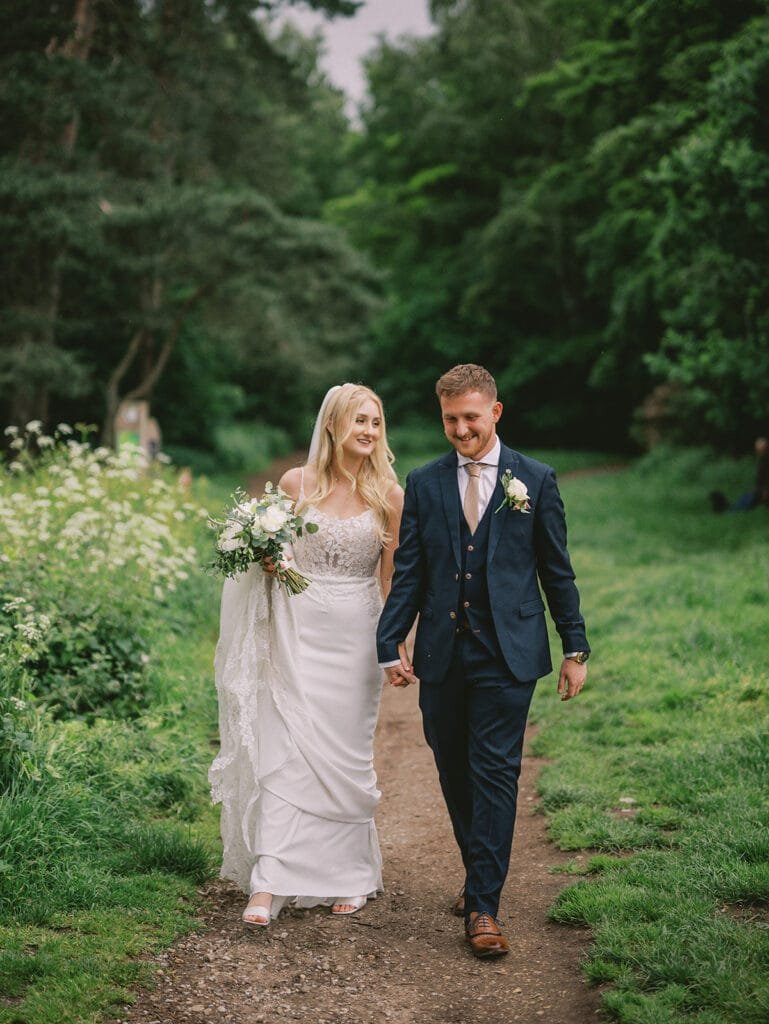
column 375, row 477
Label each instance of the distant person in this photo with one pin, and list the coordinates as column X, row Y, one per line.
column 299, row 684
column 750, row 499
column 483, row 529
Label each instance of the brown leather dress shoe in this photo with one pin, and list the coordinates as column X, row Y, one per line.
column 458, row 906
column 485, row 937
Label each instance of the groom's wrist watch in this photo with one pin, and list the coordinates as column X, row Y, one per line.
column 579, row 656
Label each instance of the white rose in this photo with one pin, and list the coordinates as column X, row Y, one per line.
column 517, row 489
column 230, row 539
column 34, row 426
column 273, row 519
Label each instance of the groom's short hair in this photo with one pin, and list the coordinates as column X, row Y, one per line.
column 466, row 377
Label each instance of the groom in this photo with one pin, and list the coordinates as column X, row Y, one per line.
column 480, row 527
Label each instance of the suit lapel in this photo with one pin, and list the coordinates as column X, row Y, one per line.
column 450, row 495
column 507, row 460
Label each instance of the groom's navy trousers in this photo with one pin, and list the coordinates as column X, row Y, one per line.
column 474, row 722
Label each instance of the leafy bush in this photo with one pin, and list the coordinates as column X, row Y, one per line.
column 92, row 541
column 249, row 447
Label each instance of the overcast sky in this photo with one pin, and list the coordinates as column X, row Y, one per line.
column 348, row 39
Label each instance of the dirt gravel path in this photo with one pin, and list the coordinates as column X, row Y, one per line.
column 402, row 959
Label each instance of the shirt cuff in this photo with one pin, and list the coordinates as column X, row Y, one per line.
column 389, row 664
column 570, row 654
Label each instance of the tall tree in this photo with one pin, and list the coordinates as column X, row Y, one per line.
column 163, row 182
column 529, row 184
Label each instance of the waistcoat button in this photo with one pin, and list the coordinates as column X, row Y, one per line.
column 452, row 615
column 468, row 575
column 467, row 604
column 470, row 547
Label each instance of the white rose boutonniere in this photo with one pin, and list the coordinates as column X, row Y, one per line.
column 516, row 494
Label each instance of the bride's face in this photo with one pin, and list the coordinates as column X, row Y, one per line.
column 364, row 431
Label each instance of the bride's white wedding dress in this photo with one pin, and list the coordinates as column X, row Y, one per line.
column 299, row 689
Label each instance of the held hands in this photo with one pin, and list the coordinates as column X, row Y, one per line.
column 571, row 678
column 403, row 674
column 271, row 568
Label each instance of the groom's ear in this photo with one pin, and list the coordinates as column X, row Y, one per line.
column 496, row 411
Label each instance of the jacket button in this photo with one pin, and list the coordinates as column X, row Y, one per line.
column 470, row 547
column 452, row 615
column 468, row 575
column 466, row 604
column 456, row 576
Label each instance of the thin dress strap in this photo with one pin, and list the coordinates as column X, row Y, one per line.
column 300, row 499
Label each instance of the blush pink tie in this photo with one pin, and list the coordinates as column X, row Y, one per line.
column 471, row 504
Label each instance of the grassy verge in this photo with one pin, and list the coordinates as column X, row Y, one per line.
column 660, row 769
column 106, row 828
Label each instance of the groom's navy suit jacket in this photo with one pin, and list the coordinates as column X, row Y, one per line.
column 523, row 551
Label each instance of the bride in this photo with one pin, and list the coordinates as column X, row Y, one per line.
column 299, row 685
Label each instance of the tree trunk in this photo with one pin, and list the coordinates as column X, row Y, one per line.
column 153, row 364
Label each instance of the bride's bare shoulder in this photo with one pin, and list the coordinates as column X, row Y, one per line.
column 297, row 478
column 291, row 481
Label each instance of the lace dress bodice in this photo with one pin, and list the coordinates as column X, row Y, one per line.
column 341, row 547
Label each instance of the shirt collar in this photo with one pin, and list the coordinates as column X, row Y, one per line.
column 489, row 459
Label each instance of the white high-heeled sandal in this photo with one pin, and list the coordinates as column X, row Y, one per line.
column 256, row 916
column 356, row 902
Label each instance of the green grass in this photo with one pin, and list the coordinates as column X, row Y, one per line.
column 662, row 764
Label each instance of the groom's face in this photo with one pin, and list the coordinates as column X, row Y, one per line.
column 470, row 422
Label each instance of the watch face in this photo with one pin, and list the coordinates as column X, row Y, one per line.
column 582, row 657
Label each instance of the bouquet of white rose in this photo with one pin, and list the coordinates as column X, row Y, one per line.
column 256, row 530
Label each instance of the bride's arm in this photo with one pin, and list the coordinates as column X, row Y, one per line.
column 290, row 482
column 386, row 567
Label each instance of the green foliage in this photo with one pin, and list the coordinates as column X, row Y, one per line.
column 164, row 173
column 93, row 659
column 573, row 195
column 248, row 448
column 91, row 542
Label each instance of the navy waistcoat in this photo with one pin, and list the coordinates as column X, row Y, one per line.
column 474, row 609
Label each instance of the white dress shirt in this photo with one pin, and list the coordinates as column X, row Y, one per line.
column 487, row 480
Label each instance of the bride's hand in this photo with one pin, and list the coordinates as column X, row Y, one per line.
column 271, row 568
column 403, row 674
